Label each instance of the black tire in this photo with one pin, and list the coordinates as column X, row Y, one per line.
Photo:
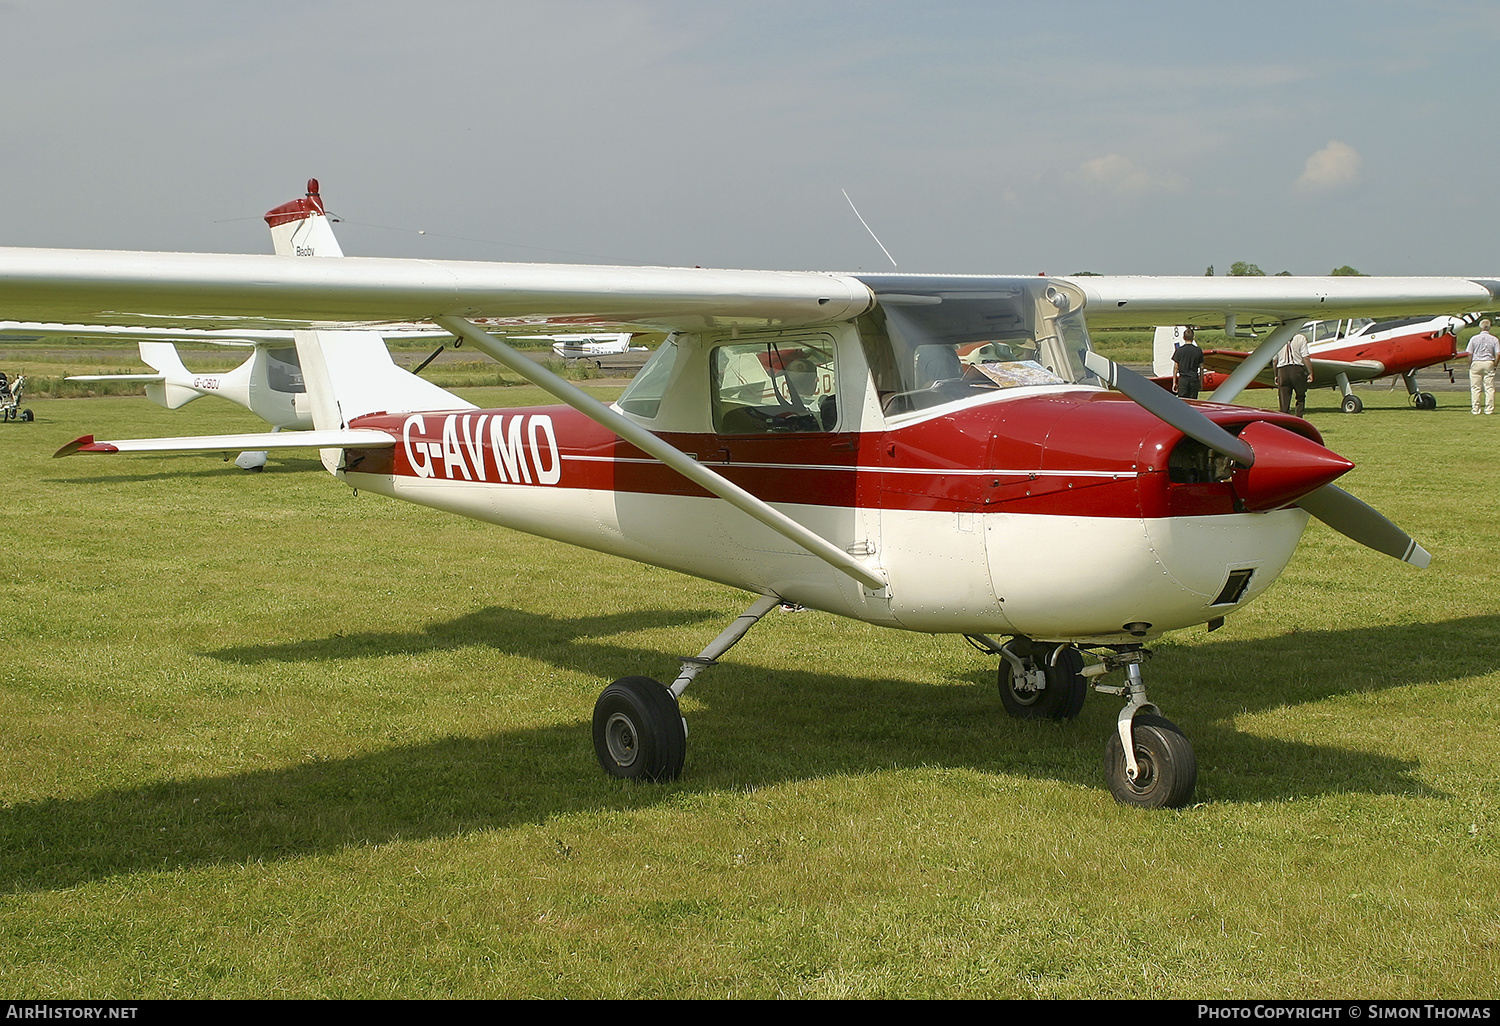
column 638, row 731
column 1424, row 401
column 28, row 416
column 1061, row 699
column 1164, row 756
column 1352, row 404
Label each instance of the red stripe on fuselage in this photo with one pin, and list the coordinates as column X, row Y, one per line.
column 1084, row 453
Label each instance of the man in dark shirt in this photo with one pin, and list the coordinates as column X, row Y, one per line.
column 1189, row 360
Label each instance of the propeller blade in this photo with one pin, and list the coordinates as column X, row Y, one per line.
column 1358, row 520
column 1167, row 407
column 1330, row 504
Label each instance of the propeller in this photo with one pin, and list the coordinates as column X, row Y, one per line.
column 1167, row 407
column 1293, row 469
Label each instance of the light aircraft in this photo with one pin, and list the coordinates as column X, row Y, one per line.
column 268, row 383
column 819, row 440
column 591, row 347
column 1343, row 351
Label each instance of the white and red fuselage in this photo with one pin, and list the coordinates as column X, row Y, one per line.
column 984, row 518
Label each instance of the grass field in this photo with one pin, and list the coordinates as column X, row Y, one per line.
column 262, row 737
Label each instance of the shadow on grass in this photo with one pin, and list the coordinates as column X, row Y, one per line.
column 755, row 727
column 195, row 465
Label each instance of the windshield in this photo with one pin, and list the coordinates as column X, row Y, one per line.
column 643, row 397
column 935, row 340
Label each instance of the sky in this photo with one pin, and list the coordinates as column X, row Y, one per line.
column 973, row 137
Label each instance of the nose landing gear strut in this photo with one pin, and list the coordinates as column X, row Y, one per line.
column 1148, row 761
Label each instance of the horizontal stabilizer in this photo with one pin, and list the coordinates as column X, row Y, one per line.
column 351, row 439
column 116, row 377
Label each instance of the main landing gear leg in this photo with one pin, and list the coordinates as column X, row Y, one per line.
column 1419, row 399
column 1148, row 760
column 639, row 732
column 1037, row 680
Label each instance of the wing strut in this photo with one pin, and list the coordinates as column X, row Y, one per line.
column 673, row 457
column 1256, row 362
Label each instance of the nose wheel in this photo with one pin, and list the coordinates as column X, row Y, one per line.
column 1148, row 761
column 1165, row 768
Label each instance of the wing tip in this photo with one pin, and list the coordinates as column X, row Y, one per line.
column 85, row 443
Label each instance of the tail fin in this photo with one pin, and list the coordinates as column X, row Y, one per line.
column 347, row 373
column 1168, row 337
column 301, row 227
column 173, row 391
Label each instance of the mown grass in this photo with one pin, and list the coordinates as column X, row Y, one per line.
column 261, row 737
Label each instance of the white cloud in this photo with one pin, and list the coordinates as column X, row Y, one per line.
column 1334, row 166
column 1122, row 176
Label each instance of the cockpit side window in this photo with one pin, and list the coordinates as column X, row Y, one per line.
column 777, row 385
column 643, row 397
column 284, row 371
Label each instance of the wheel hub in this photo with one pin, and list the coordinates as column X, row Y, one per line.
column 1145, row 770
column 619, row 735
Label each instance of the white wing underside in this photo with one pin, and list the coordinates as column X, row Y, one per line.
column 233, row 292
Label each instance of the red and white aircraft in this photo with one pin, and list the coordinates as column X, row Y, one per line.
column 1342, row 351
column 817, row 439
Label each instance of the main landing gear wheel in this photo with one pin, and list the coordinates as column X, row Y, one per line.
column 1061, row 699
column 1352, row 404
column 1424, row 401
column 639, row 733
column 1167, row 770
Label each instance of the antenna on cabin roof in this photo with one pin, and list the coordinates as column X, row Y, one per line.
column 868, row 229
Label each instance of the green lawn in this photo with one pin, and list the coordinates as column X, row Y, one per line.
column 262, row 737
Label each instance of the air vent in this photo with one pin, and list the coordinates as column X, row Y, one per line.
column 1234, row 588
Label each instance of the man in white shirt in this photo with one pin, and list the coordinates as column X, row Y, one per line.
column 1483, row 349
column 1293, row 369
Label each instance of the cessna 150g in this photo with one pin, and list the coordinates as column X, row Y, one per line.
column 1342, row 351
column 818, row 439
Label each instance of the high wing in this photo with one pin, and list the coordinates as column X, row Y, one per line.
column 1130, row 301
column 218, row 291
column 30, row 331
column 227, row 291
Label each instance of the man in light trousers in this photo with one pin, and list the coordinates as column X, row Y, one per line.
column 1483, row 349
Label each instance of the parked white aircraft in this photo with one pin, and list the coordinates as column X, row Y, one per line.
column 592, row 347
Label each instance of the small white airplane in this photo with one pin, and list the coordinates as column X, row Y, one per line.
column 268, row 383
column 1342, row 351
column 591, row 347
column 934, row 453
